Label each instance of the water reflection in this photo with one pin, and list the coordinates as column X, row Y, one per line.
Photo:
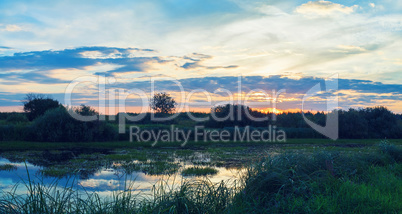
column 104, row 177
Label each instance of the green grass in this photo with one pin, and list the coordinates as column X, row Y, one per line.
column 32, row 146
column 8, row 167
column 160, row 168
column 199, row 171
column 324, row 182
column 378, row 193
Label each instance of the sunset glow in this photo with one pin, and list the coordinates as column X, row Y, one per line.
column 286, row 45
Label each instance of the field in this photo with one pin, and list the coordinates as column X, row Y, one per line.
column 301, row 175
column 208, row 106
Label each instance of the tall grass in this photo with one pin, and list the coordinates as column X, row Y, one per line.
column 318, row 182
column 324, row 182
column 189, row 197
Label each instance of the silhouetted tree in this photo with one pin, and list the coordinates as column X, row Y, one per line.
column 353, row 124
column 381, row 122
column 230, row 115
column 163, row 103
column 86, row 110
column 36, row 105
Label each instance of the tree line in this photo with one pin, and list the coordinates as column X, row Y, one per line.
column 45, row 119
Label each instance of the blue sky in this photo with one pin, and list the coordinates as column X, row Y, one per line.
column 44, row 45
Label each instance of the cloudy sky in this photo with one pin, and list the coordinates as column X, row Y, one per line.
column 210, row 48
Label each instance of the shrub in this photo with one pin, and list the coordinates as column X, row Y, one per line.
column 393, row 151
column 12, row 132
column 5, row 131
column 57, row 125
column 16, row 118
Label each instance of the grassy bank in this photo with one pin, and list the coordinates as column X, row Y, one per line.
column 25, row 145
column 297, row 182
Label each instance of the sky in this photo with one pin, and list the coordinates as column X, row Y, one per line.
column 202, row 51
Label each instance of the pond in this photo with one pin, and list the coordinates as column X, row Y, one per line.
column 107, row 172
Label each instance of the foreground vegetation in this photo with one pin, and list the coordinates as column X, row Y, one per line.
column 319, row 181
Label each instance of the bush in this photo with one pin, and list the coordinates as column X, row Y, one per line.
column 393, row 151
column 5, row 131
column 12, row 132
column 57, row 125
column 17, row 118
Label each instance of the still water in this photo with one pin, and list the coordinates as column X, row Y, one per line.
column 106, row 179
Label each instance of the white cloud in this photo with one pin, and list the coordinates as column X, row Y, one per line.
column 12, row 28
column 264, row 39
column 349, row 49
column 323, row 8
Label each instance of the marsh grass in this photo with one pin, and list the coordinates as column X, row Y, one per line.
column 324, row 182
column 57, row 172
column 297, row 182
column 167, row 197
column 199, row 171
